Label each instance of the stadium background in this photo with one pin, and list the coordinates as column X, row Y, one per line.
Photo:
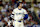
column 32, row 7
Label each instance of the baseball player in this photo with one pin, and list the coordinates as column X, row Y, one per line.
column 19, row 14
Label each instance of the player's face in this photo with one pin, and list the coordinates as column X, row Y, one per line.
column 20, row 4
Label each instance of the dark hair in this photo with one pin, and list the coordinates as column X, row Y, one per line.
column 18, row 4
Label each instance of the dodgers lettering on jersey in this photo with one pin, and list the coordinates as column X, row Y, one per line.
column 19, row 14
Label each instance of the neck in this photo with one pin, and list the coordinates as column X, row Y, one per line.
column 19, row 7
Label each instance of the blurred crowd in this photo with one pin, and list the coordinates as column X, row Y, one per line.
column 7, row 8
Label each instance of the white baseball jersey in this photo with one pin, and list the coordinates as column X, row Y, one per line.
column 19, row 14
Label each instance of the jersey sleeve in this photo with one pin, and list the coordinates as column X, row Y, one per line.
column 12, row 15
column 25, row 12
column 13, row 12
column 25, row 15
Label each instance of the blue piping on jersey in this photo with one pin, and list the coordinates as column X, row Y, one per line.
column 19, row 9
column 26, row 16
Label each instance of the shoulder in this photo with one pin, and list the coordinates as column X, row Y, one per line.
column 23, row 9
column 15, row 9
